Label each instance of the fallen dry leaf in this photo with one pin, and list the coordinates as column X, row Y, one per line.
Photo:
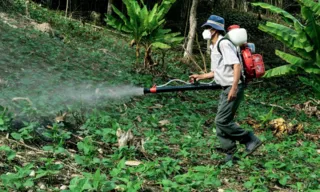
column 299, row 127
column 2, row 82
column 61, row 118
column 318, row 151
column 124, row 137
column 139, row 119
column 100, row 150
column 310, row 108
column 313, row 137
column 22, row 98
column 43, row 27
column 252, row 122
column 164, row 122
column 32, row 173
column 156, row 106
column 133, row 163
column 163, row 129
column 280, row 127
column 277, row 122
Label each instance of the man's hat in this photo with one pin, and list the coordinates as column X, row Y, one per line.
column 215, row 22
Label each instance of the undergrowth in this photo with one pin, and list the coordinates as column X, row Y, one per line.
column 173, row 133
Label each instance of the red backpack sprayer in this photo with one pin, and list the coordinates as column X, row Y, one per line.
column 252, row 64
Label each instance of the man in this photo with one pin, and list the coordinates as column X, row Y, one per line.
column 227, row 71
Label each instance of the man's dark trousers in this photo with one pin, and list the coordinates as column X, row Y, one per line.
column 228, row 132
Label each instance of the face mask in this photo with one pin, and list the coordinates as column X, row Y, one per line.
column 206, row 34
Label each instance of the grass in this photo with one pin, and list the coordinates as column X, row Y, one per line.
column 177, row 155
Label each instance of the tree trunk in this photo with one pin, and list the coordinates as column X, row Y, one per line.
column 192, row 29
column 67, row 7
column 58, row 8
column 27, row 8
column 110, row 3
column 208, row 47
column 148, row 62
column 233, row 3
column 49, row 4
column 137, row 54
column 245, row 6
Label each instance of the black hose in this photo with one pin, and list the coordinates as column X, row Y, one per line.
column 182, row 88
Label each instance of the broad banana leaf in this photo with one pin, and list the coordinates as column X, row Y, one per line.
column 289, row 37
column 133, row 9
column 152, row 17
column 120, row 14
column 144, row 14
column 311, row 67
column 293, row 60
column 314, row 82
column 279, row 71
column 146, row 26
column 307, row 65
column 312, row 28
column 305, row 41
column 313, row 70
column 311, row 4
column 165, row 36
column 165, row 7
column 318, row 59
column 115, row 23
column 161, row 45
column 286, row 34
column 173, row 37
column 279, row 11
column 302, row 37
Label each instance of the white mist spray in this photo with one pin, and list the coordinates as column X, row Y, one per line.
column 89, row 93
column 66, row 95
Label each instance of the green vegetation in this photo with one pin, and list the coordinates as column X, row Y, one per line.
column 145, row 27
column 173, row 142
column 304, row 40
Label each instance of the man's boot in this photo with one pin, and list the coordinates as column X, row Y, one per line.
column 253, row 144
column 231, row 157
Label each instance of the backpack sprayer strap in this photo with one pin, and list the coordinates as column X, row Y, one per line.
column 242, row 77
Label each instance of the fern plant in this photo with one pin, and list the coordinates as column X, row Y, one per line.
column 146, row 27
column 301, row 37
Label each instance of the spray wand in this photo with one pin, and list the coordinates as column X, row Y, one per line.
column 186, row 87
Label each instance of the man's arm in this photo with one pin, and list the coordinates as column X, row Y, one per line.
column 236, row 77
column 202, row 76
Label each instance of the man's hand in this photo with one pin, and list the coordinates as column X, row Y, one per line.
column 236, row 77
column 194, row 77
column 197, row 77
column 232, row 94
